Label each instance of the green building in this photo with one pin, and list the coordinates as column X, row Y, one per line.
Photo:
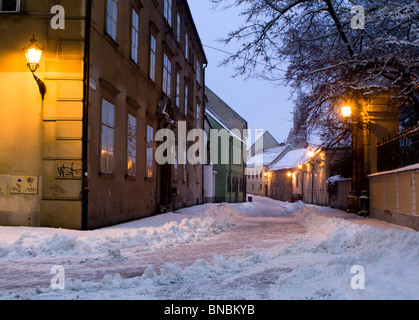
column 226, row 157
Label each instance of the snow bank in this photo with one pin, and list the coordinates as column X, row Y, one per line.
column 192, row 225
column 317, row 265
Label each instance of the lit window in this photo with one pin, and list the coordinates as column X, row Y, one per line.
column 9, row 5
column 150, row 151
column 112, row 18
column 167, row 75
column 107, row 145
column 153, row 50
column 134, row 36
column 132, row 146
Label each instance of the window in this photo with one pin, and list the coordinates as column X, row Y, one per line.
column 108, row 137
column 153, row 50
column 150, row 152
column 176, row 163
column 132, row 147
column 9, row 5
column 167, row 74
column 186, row 99
column 112, row 18
column 168, row 11
column 198, row 71
column 178, row 21
column 198, row 116
column 186, row 46
column 178, row 89
column 134, row 36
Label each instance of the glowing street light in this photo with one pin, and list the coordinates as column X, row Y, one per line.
column 33, row 53
column 347, row 112
column 311, row 153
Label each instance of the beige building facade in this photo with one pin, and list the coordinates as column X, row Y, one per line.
column 83, row 156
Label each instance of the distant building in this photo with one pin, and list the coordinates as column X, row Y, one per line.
column 300, row 172
column 230, row 179
column 257, row 169
column 265, row 142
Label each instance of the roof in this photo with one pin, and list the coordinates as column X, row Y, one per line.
column 292, row 160
column 222, row 124
column 222, row 110
column 265, row 158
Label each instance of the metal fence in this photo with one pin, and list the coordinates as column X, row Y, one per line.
column 400, row 151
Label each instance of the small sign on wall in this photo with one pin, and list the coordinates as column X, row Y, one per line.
column 24, row 185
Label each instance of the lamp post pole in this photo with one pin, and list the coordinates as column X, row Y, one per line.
column 360, row 136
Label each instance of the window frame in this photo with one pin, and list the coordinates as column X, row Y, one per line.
column 132, row 155
column 109, row 126
column 149, row 152
column 18, row 7
column 167, row 74
column 135, row 31
column 153, row 56
column 112, row 19
column 167, row 11
column 177, row 98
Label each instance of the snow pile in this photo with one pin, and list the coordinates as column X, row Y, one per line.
column 208, row 220
column 318, row 264
column 332, row 247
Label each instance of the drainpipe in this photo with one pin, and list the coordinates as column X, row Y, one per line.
column 203, row 112
column 86, row 77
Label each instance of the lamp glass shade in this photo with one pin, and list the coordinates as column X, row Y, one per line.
column 33, row 54
column 346, row 112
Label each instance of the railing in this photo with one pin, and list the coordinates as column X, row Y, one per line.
column 399, row 151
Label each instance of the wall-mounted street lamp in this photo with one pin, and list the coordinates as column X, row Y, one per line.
column 363, row 121
column 33, row 53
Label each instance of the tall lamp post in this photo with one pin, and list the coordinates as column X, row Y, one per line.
column 359, row 190
column 33, row 53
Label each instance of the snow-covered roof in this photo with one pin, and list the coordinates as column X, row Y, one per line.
column 266, row 157
column 291, row 160
column 222, row 124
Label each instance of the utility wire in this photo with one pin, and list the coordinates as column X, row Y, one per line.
column 232, row 54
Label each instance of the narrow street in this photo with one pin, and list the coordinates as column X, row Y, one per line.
column 271, row 245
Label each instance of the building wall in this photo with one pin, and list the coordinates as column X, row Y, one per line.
column 230, row 181
column 394, row 198
column 257, row 182
column 128, row 85
column 340, row 199
column 41, row 140
column 281, row 186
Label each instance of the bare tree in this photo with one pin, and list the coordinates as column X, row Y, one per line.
column 328, row 49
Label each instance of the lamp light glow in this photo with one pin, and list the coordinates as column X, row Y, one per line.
column 33, row 54
column 346, row 112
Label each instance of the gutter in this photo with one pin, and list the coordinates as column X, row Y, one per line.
column 204, row 107
column 86, row 77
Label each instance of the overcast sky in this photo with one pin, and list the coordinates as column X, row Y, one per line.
column 261, row 104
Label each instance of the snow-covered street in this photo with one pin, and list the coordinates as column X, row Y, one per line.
column 262, row 250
